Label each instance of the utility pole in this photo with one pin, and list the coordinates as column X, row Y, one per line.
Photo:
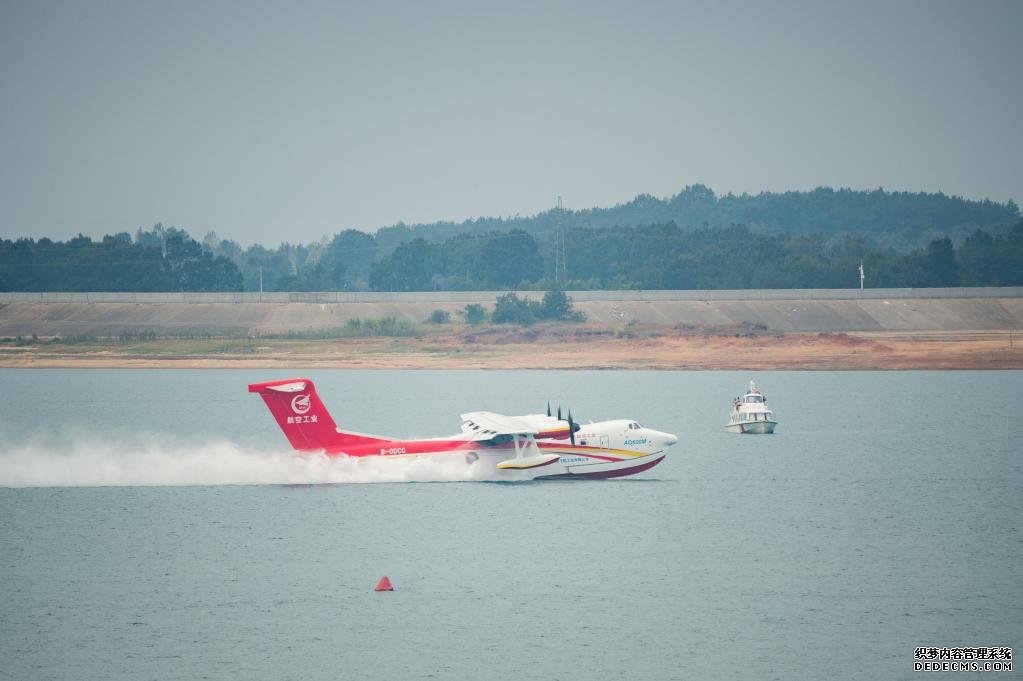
column 261, row 280
column 861, row 275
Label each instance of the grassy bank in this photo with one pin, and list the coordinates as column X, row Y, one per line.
column 543, row 346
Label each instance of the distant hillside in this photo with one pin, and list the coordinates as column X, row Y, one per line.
column 899, row 220
column 694, row 240
column 667, row 256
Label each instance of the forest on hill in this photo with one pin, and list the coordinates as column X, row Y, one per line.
column 668, row 257
column 898, row 220
column 694, row 240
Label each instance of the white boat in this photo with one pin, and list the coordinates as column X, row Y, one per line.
column 750, row 413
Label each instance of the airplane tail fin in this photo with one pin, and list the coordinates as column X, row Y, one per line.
column 301, row 415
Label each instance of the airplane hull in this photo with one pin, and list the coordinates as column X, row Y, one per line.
column 604, row 470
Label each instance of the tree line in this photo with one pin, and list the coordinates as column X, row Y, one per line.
column 662, row 256
column 899, row 222
column 666, row 256
column 156, row 260
column 829, row 232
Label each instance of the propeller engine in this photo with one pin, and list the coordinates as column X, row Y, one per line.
column 573, row 427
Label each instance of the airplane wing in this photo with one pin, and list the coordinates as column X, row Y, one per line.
column 486, row 425
column 490, row 429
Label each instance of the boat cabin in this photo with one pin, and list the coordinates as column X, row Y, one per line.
column 737, row 417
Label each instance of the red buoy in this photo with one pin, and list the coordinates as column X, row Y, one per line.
column 384, row 585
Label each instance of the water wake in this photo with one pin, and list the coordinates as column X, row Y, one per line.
column 155, row 460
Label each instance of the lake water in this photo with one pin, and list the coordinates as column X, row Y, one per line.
column 153, row 525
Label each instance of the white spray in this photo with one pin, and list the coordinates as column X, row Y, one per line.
column 126, row 460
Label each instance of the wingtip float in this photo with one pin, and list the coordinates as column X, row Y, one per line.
column 529, row 447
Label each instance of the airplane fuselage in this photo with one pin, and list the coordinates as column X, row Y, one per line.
column 499, row 447
column 603, row 449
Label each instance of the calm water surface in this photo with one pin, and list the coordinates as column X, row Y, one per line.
column 885, row 514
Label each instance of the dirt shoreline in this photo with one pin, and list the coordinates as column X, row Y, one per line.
column 549, row 349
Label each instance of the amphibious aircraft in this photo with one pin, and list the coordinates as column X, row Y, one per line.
column 530, row 447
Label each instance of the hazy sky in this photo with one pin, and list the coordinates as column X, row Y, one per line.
column 291, row 120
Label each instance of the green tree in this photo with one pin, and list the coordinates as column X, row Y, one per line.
column 510, row 309
column 557, row 306
column 474, row 314
column 941, row 262
column 410, row 268
column 511, row 258
column 348, row 260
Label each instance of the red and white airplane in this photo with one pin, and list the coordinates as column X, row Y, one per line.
column 531, row 447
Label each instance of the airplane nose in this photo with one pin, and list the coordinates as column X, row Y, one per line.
column 669, row 439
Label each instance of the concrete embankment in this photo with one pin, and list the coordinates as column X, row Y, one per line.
column 807, row 310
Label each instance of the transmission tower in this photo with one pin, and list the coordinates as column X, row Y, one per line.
column 560, row 259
